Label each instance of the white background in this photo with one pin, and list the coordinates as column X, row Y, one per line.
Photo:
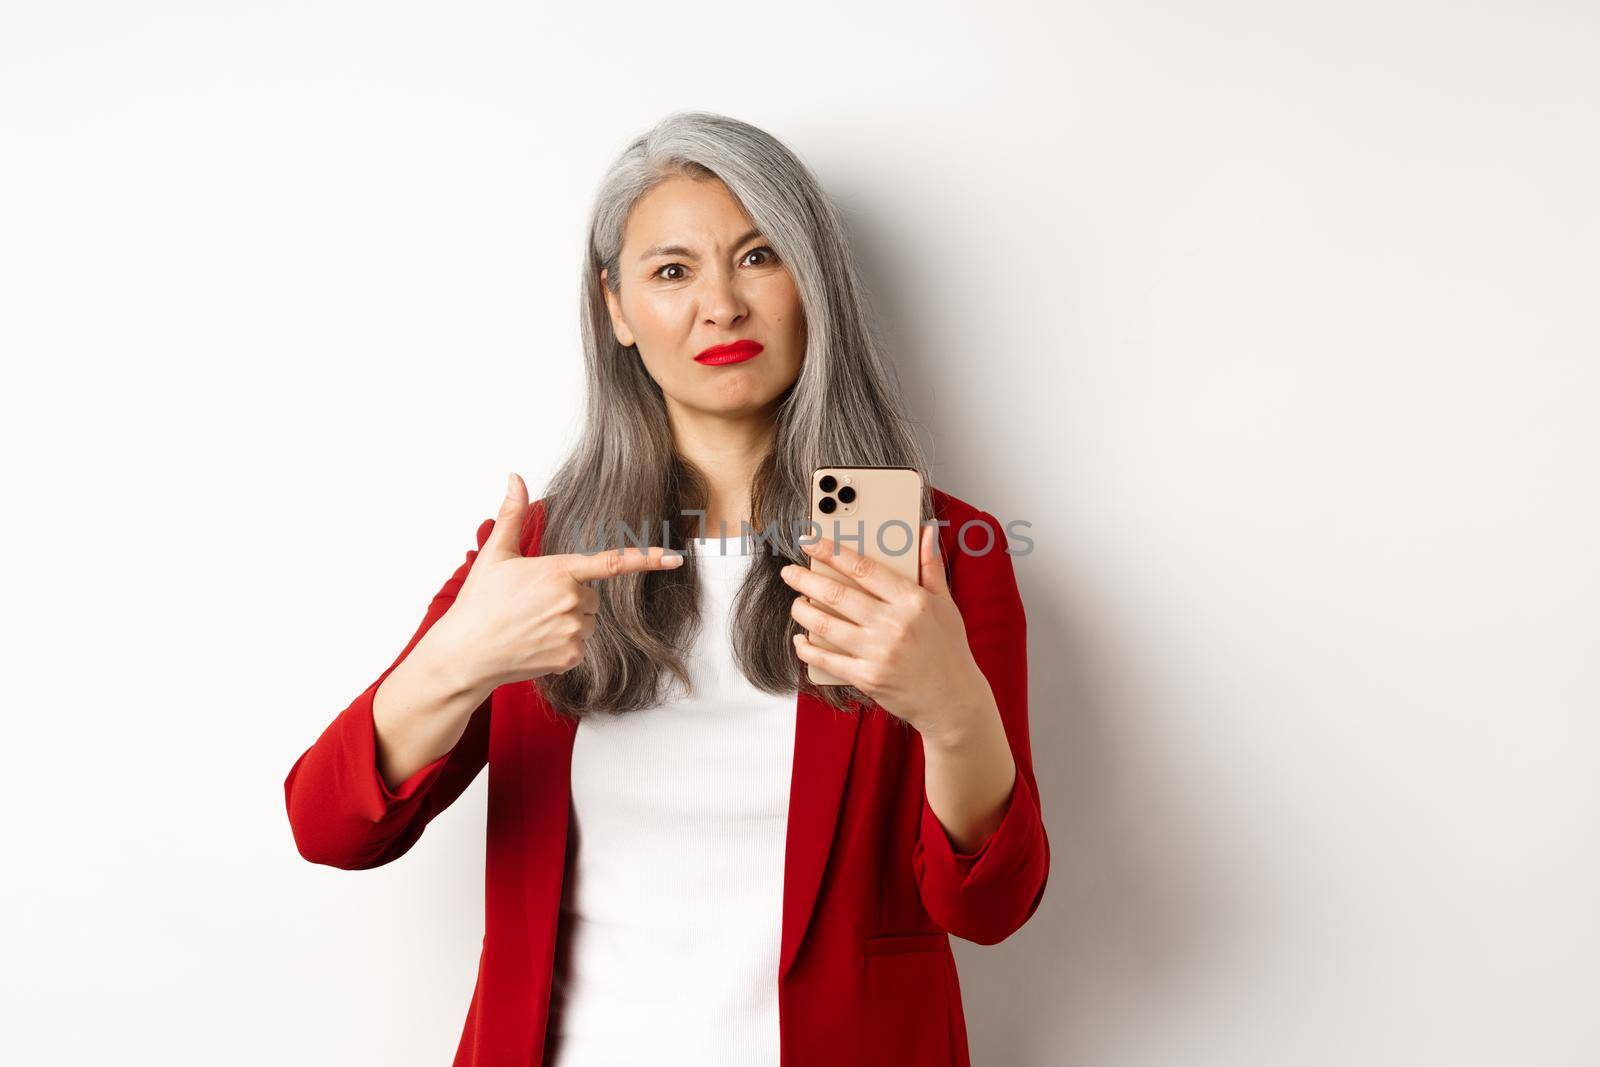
column 1277, row 322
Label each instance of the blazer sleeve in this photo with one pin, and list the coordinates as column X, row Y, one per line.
column 340, row 810
column 986, row 894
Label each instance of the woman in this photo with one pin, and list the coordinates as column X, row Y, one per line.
column 695, row 855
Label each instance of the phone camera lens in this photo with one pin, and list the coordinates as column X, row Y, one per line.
column 827, row 484
column 846, row 495
column 826, row 505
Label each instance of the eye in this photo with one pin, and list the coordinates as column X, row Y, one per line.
column 771, row 257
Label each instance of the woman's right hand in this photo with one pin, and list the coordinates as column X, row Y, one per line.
column 517, row 617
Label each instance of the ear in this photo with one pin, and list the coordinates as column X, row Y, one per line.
column 619, row 325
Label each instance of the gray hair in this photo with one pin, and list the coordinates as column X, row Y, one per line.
column 845, row 409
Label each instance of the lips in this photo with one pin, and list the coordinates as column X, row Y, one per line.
column 735, row 352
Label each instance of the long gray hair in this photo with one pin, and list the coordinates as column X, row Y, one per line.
column 844, row 409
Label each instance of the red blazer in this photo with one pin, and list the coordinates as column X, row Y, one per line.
column 872, row 885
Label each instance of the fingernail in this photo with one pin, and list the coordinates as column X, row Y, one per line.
column 511, row 484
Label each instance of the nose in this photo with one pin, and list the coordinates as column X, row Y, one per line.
column 721, row 303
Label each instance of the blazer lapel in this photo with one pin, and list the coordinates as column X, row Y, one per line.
column 546, row 774
column 824, row 741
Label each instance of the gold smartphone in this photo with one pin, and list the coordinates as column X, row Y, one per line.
column 875, row 510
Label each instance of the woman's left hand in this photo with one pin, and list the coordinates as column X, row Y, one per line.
column 904, row 643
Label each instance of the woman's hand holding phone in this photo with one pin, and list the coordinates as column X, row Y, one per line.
column 901, row 642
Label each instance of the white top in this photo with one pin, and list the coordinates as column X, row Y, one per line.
column 672, row 905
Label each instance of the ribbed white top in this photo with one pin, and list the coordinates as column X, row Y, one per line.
column 672, row 907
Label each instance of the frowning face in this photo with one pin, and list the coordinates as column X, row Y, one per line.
column 695, row 275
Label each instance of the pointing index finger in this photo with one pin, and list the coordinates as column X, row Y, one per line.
column 586, row 567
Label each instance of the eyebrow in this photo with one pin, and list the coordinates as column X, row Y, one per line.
column 680, row 250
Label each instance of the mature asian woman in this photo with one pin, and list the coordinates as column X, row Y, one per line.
column 694, row 854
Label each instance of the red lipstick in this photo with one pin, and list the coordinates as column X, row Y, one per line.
column 735, row 352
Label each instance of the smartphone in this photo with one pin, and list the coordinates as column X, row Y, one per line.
column 875, row 510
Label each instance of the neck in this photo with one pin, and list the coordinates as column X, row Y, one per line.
column 726, row 451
